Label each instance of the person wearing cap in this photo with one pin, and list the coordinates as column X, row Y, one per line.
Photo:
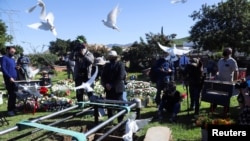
column 227, row 71
column 84, row 60
column 194, row 78
column 23, row 63
column 112, row 79
column 10, row 75
column 45, row 80
column 100, row 62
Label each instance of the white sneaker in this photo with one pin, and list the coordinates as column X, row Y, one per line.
column 11, row 113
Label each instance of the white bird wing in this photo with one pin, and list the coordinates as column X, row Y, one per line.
column 32, row 8
column 54, row 31
column 177, row 1
column 50, row 18
column 164, row 48
column 87, row 85
column 177, row 51
column 33, row 73
column 112, row 16
column 35, row 25
column 141, row 123
column 43, row 13
column 93, row 77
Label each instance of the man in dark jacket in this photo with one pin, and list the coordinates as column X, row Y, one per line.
column 193, row 75
column 112, row 79
column 164, row 69
column 10, row 75
column 83, row 66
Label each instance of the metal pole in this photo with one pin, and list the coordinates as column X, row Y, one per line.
column 41, row 118
column 93, row 130
column 51, row 124
column 111, row 131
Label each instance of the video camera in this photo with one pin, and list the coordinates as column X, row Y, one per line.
column 241, row 84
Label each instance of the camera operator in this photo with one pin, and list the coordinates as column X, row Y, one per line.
column 244, row 102
column 83, row 64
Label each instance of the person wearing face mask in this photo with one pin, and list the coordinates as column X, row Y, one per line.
column 194, row 78
column 113, row 80
column 10, row 75
column 84, row 60
column 164, row 69
column 227, row 71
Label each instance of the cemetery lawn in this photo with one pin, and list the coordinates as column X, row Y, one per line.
column 183, row 129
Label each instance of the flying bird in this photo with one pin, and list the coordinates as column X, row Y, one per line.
column 133, row 125
column 41, row 4
column 177, row 1
column 47, row 24
column 87, row 85
column 173, row 50
column 111, row 19
column 32, row 73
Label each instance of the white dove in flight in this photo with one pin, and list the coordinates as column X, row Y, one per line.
column 87, row 85
column 32, row 73
column 177, row 1
column 41, row 4
column 46, row 24
column 111, row 19
column 133, row 125
column 173, row 50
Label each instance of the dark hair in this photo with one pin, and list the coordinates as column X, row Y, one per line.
column 9, row 47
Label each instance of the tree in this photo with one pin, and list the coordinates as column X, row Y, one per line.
column 117, row 49
column 142, row 54
column 4, row 37
column 223, row 25
column 59, row 47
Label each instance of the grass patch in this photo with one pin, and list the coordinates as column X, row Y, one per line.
column 184, row 129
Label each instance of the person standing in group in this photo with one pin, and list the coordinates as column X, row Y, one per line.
column 84, row 60
column 70, row 66
column 10, row 75
column 227, row 71
column 194, row 78
column 183, row 62
column 99, row 62
column 112, row 79
column 164, row 69
column 23, row 63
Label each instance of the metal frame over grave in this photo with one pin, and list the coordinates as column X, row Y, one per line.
column 76, row 135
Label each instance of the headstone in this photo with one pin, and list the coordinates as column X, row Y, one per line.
column 158, row 133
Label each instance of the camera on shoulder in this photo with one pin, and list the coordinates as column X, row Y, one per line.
column 241, row 84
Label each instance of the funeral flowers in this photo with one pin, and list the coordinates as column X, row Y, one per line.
column 203, row 121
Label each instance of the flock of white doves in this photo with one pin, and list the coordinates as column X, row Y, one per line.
column 47, row 21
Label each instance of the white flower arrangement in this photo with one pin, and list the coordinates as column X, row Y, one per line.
column 98, row 88
column 140, row 89
column 62, row 88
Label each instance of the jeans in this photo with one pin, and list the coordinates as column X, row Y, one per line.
column 175, row 108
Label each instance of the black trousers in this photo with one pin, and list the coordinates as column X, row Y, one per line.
column 11, row 90
column 112, row 95
column 79, row 93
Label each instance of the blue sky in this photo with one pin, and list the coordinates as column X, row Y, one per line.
column 83, row 17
